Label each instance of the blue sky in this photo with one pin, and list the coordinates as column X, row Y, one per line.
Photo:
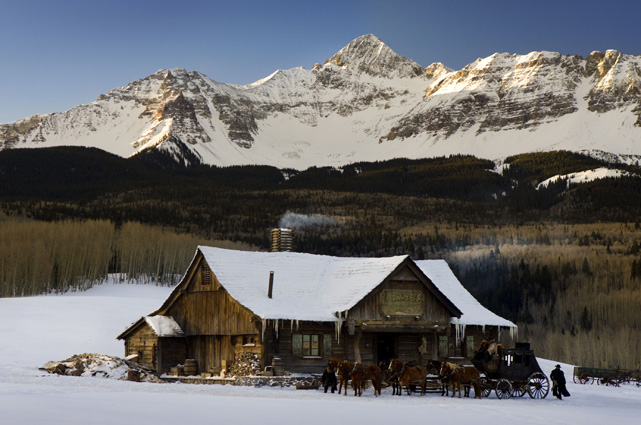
column 57, row 54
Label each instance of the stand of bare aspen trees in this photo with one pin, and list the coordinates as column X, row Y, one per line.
column 44, row 257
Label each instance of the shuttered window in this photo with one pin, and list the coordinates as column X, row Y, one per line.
column 443, row 346
column 327, row 345
column 469, row 346
column 297, row 345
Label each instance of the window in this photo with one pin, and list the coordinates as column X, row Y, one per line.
column 311, row 345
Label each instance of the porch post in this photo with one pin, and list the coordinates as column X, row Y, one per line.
column 357, row 348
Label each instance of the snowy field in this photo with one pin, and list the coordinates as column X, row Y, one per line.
column 38, row 329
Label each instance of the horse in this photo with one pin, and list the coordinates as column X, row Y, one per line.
column 408, row 375
column 343, row 370
column 389, row 376
column 459, row 376
column 360, row 374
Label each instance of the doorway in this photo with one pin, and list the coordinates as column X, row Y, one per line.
column 385, row 347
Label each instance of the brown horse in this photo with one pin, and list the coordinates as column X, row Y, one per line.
column 361, row 373
column 343, row 370
column 407, row 375
column 459, row 376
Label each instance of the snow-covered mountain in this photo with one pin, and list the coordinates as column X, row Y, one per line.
column 365, row 103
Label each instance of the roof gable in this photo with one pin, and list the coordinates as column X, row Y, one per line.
column 306, row 286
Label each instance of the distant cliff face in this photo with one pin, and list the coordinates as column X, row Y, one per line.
column 364, row 103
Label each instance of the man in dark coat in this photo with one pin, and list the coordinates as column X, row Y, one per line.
column 558, row 383
column 329, row 379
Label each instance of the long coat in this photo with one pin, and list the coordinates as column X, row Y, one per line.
column 558, row 378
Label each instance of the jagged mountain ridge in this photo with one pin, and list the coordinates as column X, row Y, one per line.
column 365, row 103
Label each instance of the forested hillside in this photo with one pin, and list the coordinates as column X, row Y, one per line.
column 564, row 263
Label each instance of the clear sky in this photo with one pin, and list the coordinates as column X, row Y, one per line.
column 56, row 54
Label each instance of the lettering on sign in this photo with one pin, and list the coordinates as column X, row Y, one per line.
column 402, row 302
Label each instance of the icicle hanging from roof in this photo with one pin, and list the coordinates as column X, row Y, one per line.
column 337, row 329
column 460, row 330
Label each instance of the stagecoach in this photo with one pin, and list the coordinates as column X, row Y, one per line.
column 510, row 372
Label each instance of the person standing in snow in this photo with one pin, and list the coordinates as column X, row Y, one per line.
column 558, row 383
column 329, row 379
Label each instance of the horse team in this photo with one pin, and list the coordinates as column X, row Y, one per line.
column 400, row 374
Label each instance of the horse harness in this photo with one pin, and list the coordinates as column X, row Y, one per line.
column 453, row 368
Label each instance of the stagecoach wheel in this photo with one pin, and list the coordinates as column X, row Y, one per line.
column 486, row 388
column 503, row 389
column 538, row 385
column 519, row 390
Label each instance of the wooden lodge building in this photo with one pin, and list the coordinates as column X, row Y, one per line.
column 299, row 309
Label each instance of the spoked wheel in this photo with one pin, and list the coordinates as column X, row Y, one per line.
column 519, row 390
column 486, row 388
column 503, row 389
column 584, row 378
column 538, row 385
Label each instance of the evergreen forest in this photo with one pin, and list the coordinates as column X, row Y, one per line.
column 563, row 261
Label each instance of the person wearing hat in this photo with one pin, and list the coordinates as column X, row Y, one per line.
column 558, row 383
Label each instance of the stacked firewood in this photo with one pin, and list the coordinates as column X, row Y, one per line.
column 245, row 364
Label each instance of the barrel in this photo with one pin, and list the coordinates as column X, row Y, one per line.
column 191, row 367
column 278, row 366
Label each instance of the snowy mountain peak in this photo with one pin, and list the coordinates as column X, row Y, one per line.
column 370, row 55
column 366, row 103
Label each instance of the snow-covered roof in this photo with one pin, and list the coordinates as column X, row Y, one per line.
column 474, row 313
column 164, row 326
column 306, row 286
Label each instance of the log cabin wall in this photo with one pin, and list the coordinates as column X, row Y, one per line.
column 303, row 349
column 210, row 318
column 143, row 342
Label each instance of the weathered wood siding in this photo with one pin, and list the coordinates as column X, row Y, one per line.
column 209, row 350
column 208, row 309
column 370, row 307
column 143, row 342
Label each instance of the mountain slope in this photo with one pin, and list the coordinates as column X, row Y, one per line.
column 365, row 103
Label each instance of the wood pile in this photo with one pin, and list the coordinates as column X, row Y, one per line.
column 100, row 365
column 245, row 364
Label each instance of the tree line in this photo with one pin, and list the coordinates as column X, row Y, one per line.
column 39, row 257
column 564, row 264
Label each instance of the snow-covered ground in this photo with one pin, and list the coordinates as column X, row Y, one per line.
column 38, row 329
